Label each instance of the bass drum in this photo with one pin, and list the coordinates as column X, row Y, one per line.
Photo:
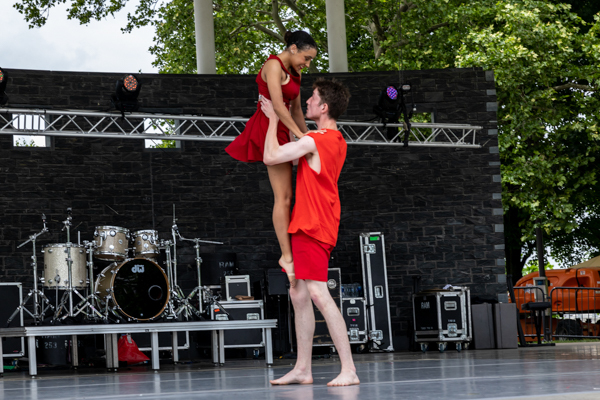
column 136, row 289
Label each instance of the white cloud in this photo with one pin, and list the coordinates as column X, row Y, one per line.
column 65, row 45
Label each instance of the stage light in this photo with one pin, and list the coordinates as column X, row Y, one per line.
column 392, row 92
column 391, row 105
column 126, row 93
column 388, row 106
column 3, row 83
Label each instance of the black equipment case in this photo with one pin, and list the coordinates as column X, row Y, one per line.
column 241, row 310
column 374, row 269
column 355, row 316
column 443, row 316
column 334, row 284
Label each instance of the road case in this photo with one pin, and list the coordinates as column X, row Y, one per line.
column 12, row 297
column 237, row 285
column 355, row 316
column 442, row 316
column 241, row 310
column 321, row 336
column 374, row 269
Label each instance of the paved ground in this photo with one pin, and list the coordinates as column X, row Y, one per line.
column 566, row 371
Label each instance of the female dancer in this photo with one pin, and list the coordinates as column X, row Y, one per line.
column 279, row 81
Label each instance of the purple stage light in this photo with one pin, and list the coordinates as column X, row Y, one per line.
column 392, row 92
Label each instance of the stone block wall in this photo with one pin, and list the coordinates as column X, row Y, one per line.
column 439, row 208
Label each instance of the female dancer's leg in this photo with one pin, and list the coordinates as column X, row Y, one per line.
column 280, row 176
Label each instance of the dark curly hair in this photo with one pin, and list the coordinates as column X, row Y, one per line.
column 334, row 94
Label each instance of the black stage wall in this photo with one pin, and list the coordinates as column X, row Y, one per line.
column 439, row 208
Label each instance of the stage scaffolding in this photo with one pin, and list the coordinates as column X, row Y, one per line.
column 112, row 125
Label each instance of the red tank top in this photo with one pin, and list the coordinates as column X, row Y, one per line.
column 317, row 209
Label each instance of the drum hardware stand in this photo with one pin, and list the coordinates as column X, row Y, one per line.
column 210, row 299
column 170, row 311
column 68, row 295
column 92, row 301
column 38, row 309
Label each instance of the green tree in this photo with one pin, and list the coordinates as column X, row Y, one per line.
column 22, row 142
column 163, row 127
column 547, row 82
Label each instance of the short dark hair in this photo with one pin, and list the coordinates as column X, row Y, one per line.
column 334, row 94
column 301, row 39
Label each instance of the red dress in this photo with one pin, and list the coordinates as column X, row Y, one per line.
column 250, row 144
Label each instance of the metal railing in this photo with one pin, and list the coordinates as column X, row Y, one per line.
column 574, row 312
column 112, row 125
column 579, row 309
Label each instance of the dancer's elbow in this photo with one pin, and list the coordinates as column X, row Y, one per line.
column 269, row 159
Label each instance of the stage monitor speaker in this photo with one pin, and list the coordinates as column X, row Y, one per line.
column 277, row 282
column 215, row 266
column 12, row 296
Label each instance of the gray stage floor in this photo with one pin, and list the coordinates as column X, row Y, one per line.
column 566, row 371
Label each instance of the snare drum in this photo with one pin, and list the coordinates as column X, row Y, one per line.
column 56, row 267
column 145, row 243
column 136, row 289
column 111, row 243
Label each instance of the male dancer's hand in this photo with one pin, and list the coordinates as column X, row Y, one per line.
column 267, row 108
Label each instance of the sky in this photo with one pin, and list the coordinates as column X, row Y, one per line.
column 65, row 45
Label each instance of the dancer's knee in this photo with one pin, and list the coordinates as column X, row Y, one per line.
column 283, row 201
column 299, row 296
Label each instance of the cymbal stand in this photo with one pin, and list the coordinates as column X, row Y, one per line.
column 177, row 296
column 92, row 301
column 38, row 309
column 185, row 301
column 170, row 308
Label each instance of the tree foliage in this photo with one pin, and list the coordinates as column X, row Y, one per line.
column 545, row 56
column 547, row 80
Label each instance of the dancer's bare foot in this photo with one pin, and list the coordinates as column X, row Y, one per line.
column 345, row 378
column 294, row 377
column 288, row 267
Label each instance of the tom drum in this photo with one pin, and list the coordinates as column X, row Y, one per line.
column 56, row 267
column 145, row 243
column 111, row 243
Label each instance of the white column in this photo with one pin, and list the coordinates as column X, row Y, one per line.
column 336, row 36
column 205, row 37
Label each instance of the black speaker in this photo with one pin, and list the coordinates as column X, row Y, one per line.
column 215, row 266
column 277, row 282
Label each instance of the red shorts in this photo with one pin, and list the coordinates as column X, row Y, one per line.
column 311, row 257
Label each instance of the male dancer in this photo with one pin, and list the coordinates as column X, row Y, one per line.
column 314, row 224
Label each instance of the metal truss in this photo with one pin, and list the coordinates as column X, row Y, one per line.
column 112, row 125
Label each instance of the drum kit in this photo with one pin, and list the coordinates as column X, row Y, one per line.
column 129, row 289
